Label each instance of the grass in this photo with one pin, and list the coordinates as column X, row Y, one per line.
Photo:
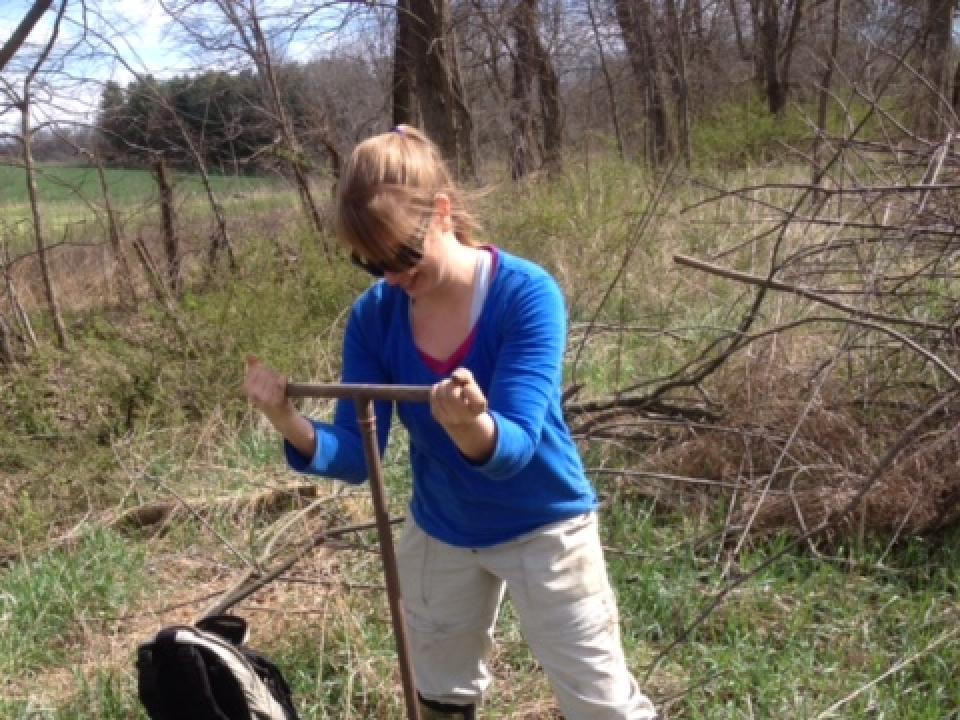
column 133, row 415
column 50, row 603
column 71, row 200
column 68, row 185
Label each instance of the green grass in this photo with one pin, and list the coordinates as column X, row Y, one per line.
column 64, row 184
column 48, row 603
column 796, row 638
column 742, row 132
column 71, row 201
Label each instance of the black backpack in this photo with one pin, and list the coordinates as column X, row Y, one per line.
column 208, row 673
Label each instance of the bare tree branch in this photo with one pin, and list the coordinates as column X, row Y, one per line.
column 19, row 36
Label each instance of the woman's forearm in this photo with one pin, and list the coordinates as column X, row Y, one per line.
column 297, row 430
column 477, row 439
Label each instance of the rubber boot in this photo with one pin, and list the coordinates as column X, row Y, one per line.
column 433, row 710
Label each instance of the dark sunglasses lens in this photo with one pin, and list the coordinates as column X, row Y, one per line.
column 404, row 259
column 407, row 257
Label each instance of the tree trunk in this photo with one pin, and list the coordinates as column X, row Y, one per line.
column 523, row 24
column 53, row 301
column 466, row 150
column 155, row 279
column 38, row 230
column 171, row 243
column 220, row 242
column 443, row 108
column 790, row 44
column 756, row 54
column 403, row 67
column 636, row 26
column 955, row 101
column 824, row 100
column 128, row 296
column 285, row 125
column 738, row 32
column 939, row 28
column 776, row 51
column 681, row 90
column 769, row 44
column 607, row 79
column 19, row 36
column 7, row 356
column 256, row 46
column 550, row 108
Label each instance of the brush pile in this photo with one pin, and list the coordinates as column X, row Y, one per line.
column 830, row 401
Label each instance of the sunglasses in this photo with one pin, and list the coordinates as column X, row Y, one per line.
column 405, row 255
column 404, row 258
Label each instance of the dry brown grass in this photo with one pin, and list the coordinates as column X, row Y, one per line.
column 800, row 446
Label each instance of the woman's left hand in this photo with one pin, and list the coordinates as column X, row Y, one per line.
column 457, row 400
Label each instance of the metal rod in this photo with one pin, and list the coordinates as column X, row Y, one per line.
column 359, row 391
column 368, row 428
column 363, row 396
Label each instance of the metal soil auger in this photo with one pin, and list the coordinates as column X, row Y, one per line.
column 364, row 396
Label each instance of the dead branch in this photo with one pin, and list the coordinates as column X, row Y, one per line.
column 20, row 35
column 254, row 580
column 159, row 515
column 804, row 292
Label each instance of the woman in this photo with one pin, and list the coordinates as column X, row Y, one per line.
column 500, row 500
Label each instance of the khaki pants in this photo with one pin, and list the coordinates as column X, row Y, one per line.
column 557, row 581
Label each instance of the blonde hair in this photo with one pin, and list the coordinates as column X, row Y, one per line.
column 387, row 185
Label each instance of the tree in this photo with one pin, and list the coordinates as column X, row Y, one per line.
column 432, row 89
column 523, row 23
column 550, row 107
column 26, row 139
column 19, row 36
column 607, row 78
column 678, row 74
column 404, row 69
column 531, row 59
column 238, row 25
column 636, row 25
column 939, row 29
column 776, row 46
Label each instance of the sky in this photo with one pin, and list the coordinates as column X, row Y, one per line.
column 145, row 26
column 145, row 41
column 145, row 37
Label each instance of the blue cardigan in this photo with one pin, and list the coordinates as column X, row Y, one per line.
column 535, row 475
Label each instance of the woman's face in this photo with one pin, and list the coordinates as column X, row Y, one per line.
column 426, row 272
column 419, row 263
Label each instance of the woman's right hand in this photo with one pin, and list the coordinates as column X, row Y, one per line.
column 266, row 389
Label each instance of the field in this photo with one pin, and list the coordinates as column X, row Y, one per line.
column 71, row 199
column 74, row 185
column 144, row 413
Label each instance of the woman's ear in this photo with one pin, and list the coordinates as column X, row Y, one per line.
column 442, row 205
column 444, row 210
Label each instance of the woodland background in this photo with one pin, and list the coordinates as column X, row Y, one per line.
column 751, row 206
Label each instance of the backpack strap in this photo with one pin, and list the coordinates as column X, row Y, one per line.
column 174, row 683
column 231, row 628
column 262, row 705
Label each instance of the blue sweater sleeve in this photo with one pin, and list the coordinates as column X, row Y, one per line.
column 528, row 373
column 339, row 453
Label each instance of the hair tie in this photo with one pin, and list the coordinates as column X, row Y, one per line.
column 398, row 129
